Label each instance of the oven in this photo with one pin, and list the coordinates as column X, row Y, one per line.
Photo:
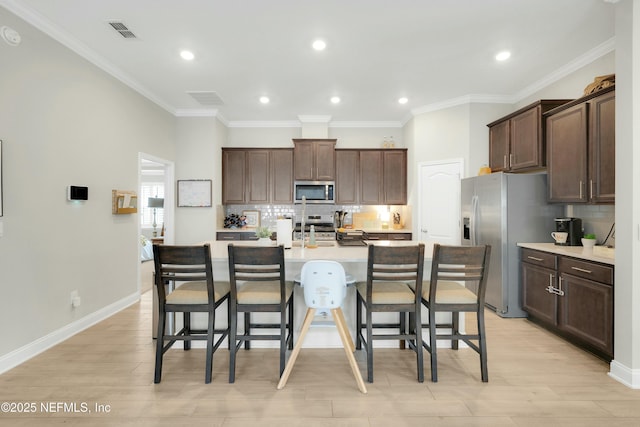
column 322, row 224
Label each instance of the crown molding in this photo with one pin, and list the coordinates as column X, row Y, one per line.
column 366, row 124
column 571, row 67
column 264, row 124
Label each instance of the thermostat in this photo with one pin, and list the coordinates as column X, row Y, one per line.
column 77, row 193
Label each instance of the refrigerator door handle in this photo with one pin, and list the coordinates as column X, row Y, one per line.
column 473, row 220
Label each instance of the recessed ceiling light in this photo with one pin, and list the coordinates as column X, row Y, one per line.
column 403, row 100
column 503, row 56
column 335, row 99
column 319, row 44
column 187, row 55
column 264, row 99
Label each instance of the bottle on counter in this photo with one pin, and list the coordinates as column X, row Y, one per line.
column 312, row 235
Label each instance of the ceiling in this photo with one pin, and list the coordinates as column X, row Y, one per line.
column 433, row 52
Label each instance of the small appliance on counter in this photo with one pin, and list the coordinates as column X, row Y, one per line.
column 573, row 228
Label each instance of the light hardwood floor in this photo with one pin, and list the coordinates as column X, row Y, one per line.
column 535, row 379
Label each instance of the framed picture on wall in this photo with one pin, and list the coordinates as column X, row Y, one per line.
column 0, row 177
column 195, row 193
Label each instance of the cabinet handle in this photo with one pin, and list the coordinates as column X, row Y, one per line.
column 534, row 258
column 504, row 161
column 510, row 160
column 580, row 190
column 591, row 189
column 581, row 269
column 560, row 291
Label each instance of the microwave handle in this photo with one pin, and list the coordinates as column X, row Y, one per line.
column 326, row 192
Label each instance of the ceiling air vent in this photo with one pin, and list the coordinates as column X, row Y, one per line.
column 207, row 98
column 122, row 29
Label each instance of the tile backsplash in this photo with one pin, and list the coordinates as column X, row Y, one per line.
column 270, row 213
column 596, row 219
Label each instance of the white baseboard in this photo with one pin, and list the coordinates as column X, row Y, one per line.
column 627, row 376
column 24, row 353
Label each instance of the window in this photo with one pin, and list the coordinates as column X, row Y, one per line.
column 151, row 189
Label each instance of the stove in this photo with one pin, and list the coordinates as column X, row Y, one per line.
column 323, row 225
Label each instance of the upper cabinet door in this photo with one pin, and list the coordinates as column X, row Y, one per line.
column 602, row 148
column 325, row 160
column 567, row 155
column 233, row 177
column 303, row 154
column 347, row 176
column 395, row 177
column 526, row 140
column 258, row 176
column 282, row 176
column 499, row 147
column 314, row 160
column 371, row 170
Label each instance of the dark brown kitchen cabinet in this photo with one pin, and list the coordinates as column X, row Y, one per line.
column 257, row 176
column 581, row 150
column 383, row 177
column 573, row 299
column 233, row 177
column 538, row 276
column 388, row 236
column 236, row 235
column 314, row 159
column 347, row 176
column 516, row 141
column 281, row 177
column 371, row 169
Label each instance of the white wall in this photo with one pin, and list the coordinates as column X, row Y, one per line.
column 199, row 156
column 64, row 122
column 626, row 364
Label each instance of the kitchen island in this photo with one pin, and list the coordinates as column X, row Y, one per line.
column 322, row 332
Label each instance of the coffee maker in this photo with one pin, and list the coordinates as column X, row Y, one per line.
column 572, row 226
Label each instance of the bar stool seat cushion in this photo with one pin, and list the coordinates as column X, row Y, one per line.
column 388, row 292
column 449, row 293
column 196, row 293
column 267, row 292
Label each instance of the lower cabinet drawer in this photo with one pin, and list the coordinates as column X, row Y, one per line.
column 587, row 270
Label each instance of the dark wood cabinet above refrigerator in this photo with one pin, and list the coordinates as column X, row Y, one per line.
column 516, row 141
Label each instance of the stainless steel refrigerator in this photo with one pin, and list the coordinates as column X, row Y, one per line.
column 502, row 210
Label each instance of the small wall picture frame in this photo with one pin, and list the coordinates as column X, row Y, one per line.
column 194, row 193
column 252, row 218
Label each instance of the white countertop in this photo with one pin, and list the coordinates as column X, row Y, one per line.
column 596, row 254
column 329, row 250
column 366, row 230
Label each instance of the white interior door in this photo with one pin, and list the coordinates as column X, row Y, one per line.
column 439, row 201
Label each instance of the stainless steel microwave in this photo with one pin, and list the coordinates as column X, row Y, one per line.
column 314, row 191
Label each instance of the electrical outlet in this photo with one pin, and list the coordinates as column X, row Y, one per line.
column 75, row 299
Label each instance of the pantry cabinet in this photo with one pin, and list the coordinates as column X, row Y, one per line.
column 571, row 297
column 516, row 141
column 581, row 150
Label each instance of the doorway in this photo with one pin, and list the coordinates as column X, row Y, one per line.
column 156, row 170
column 439, row 201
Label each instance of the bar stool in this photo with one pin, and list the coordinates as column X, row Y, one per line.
column 325, row 287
